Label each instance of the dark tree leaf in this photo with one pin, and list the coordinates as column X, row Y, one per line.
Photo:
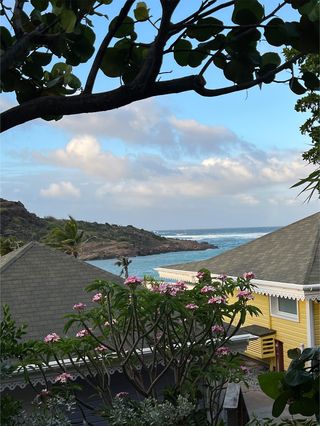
column 114, row 62
column 296, row 87
column 41, row 58
column 40, row 4
column 247, row 12
column 181, row 52
column 125, row 29
column 205, row 29
column 275, row 32
column 280, row 404
column 141, row 12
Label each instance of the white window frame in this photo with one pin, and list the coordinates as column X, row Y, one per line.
column 276, row 312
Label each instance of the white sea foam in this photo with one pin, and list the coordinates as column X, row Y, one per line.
column 198, row 237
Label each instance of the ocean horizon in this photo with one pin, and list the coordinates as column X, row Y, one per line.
column 224, row 238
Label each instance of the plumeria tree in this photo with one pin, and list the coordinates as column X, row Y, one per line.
column 155, row 331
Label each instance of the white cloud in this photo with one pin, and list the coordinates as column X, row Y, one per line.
column 84, row 153
column 246, row 199
column 150, row 126
column 282, row 170
column 60, row 190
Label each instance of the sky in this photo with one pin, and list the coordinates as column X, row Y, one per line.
column 179, row 161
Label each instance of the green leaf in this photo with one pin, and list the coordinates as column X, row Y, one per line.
column 125, row 29
column 41, row 58
column 238, row 71
column 205, row 28
column 220, row 60
column 296, row 377
column 74, row 82
column 141, row 12
column 275, row 32
column 296, row 87
column 270, row 58
column 311, row 81
column 270, row 383
column 68, row 20
column 294, row 353
column 114, row 62
column 280, row 404
column 303, row 406
column 5, row 38
column 181, row 52
column 196, row 57
column 215, row 44
column 40, row 4
column 247, row 12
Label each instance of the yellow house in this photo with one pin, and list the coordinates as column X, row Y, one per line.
column 286, row 264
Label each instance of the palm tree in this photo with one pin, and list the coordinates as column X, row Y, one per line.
column 123, row 262
column 66, row 237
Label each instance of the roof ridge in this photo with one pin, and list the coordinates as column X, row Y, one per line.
column 21, row 251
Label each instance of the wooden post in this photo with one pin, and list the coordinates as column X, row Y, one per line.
column 234, row 408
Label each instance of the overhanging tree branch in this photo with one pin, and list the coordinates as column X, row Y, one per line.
column 105, row 43
column 203, row 91
column 57, row 105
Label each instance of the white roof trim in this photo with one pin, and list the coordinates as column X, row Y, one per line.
column 270, row 288
column 237, row 343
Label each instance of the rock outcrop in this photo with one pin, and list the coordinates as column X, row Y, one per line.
column 104, row 241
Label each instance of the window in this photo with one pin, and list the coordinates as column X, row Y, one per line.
column 284, row 308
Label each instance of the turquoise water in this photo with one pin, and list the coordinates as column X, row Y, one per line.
column 225, row 239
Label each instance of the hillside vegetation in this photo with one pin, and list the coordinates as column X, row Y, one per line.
column 104, row 241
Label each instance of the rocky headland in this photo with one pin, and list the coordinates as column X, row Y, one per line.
column 104, row 241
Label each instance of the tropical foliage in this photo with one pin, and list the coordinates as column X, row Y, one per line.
column 156, row 331
column 9, row 244
column 298, row 387
column 66, row 237
column 123, row 263
column 309, row 103
column 43, row 44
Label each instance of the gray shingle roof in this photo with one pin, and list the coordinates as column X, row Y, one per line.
column 41, row 285
column 289, row 255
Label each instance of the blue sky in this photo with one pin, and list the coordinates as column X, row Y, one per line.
column 179, row 161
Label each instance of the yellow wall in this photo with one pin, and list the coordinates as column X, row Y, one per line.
column 291, row 333
column 316, row 312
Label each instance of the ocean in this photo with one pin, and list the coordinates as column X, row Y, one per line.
column 224, row 238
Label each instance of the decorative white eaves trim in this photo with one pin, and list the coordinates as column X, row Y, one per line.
column 270, row 288
column 237, row 343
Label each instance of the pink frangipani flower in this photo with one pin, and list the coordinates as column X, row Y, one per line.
column 52, row 337
column 97, row 297
column 170, row 289
column 83, row 333
column 200, row 275
column 63, row 378
column 222, row 277
column 248, row 275
column 222, row 351
column 132, row 281
column 192, row 306
column 79, row 306
column 245, row 295
column 101, row 348
column 122, row 395
column 217, row 300
column 217, row 329
column 207, row 289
